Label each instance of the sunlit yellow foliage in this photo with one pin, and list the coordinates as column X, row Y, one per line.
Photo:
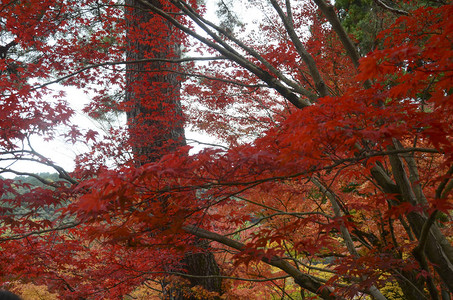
column 30, row 291
column 148, row 291
column 391, row 290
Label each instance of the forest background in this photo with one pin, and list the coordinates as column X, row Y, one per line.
column 334, row 174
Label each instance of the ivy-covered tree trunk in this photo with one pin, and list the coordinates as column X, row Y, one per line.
column 152, row 99
column 154, row 113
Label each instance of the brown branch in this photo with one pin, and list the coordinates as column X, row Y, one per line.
column 234, row 82
column 425, row 231
column 329, row 12
column 419, row 251
column 116, row 63
column 413, row 173
column 4, row 49
column 281, row 212
column 299, row 174
column 233, row 55
column 221, row 277
column 39, row 232
column 202, row 22
column 372, row 290
column 303, row 280
column 444, row 188
column 306, row 57
column 62, row 173
column 420, row 256
column 37, row 177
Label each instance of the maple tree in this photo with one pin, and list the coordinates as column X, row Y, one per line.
column 337, row 172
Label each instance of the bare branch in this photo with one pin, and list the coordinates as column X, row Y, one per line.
column 281, row 212
column 393, row 10
column 207, row 144
column 39, row 178
column 41, row 159
column 253, row 183
column 329, row 12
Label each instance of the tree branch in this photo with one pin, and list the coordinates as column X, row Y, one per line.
column 202, row 21
column 329, row 12
column 221, row 277
column 39, row 232
column 444, row 188
column 116, row 63
column 233, row 55
column 37, row 177
column 306, row 57
column 305, row 281
column 372, row 290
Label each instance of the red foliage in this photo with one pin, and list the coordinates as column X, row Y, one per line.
column 335, row 190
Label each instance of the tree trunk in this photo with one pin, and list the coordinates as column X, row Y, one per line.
column 154, row 113
column 152, row 99
column 437, row 249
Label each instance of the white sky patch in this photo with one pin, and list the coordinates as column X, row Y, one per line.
column 59, row 151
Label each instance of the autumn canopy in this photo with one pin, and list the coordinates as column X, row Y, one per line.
column 330, row 174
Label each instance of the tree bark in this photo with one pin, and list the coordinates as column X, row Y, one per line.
column 152, row 100
column 154, row 113
column 437, row 249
